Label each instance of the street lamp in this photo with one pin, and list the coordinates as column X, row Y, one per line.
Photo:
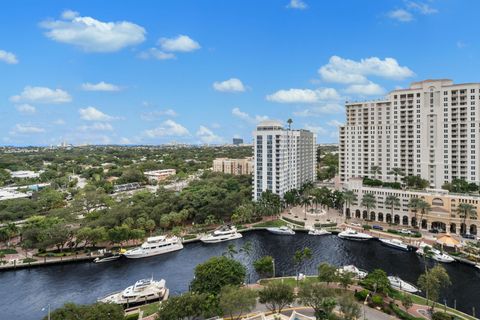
column 364, row 304
column 273, row 265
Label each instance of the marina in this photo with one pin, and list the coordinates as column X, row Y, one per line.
column 85, row 282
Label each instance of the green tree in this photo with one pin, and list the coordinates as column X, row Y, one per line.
column 318, row 297
column 378, row 281
column 264, row 266
column 397, row 172
column 375, row 170
column 346, row 279
column 392, row 202
column 407, row 301
column 349, row 307
column 276, row 296
column 96, row 311
column 217, row 272
column 466, row 211
column 327, row 273
column 369, row 202
column 234, row 301
column 188, row 306
column 432, row 282
column 349, row 197
column 300, row 257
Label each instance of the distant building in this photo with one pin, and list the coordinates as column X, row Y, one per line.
column 11, row 193
column 159, row 175
column 283, row 159
column 237, row 141
column 25, row 174
column 126, row 187
column 233, row 166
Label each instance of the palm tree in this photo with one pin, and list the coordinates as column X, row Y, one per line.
column 424, row 207
column 375, row 170
column 392, row 201
column 397, row 172
column 306, row 201
column 369, row 202
column 413, row 205
column 289, row 121
column 349, row 197
column 466, row 211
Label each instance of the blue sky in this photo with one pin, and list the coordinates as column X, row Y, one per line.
column 154, row 72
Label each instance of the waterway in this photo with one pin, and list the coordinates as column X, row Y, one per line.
column 23, row 293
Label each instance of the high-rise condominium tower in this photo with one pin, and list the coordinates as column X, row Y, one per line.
column 283, row 159
column 430, row 130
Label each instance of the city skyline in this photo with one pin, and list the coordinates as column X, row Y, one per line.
column 156, row 73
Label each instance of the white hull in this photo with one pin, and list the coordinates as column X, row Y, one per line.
column 318, row 232
column 394, row 244
column 437, row 255
column 350, row 234
column 144, row 253
column 399, row 284
column 359, row 274
column 106, row 259
column 134, row 295
column 212, row 239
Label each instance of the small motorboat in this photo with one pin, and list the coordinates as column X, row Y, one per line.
column 351, row 234
column 358, row 273
column 318, row 232
column 395, row 243
column 284, row 230
column 436, row 255
column 400, row 284
column 107, row 256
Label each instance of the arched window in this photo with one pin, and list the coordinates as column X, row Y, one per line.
column 437, row 202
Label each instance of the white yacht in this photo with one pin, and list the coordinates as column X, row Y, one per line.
column 224, row 233
column 142, row 291
column 400, row 284
column 359, row 274
column 155, row 246
column 437, row 255
column 351, row 234
column 318, row 232
column 284, row 230
column 395, row 243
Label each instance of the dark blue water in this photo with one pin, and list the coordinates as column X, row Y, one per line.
column 24, row 293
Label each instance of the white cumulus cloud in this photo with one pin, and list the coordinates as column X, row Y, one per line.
column 316, row 111
column 101, row 86
column 156, row 54
column 93, row 35
column 230, row 85
column 93, row 114
column 316, row 129
column 246, row 117
column 42, row 95
column 8, row 57
column 26, row 108
column 368, row 89
column 401, row 15
column 422, row 8
column 303, row 95
column 168, row 128
column 153, row 115
column 97, row 126
column 181, row 43
column 340, row 70
column 297, row 4
column 208, row 136
column 27, row 129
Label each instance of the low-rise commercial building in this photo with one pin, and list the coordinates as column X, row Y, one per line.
column 233, row 166
column 159, row 175
column 443, row 214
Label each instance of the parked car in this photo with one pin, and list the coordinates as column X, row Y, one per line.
column 468, row 236
column 376, row 227
column 433, row 230
column 405, row 231
column 356, row 224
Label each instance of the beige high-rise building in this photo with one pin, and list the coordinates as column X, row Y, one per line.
column 233, row 166
column 430, row 130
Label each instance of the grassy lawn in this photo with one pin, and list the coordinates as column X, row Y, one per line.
column 8, row 251
column 421, row 300
column 189, row 236
column 149, row 309
column 269, row 224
